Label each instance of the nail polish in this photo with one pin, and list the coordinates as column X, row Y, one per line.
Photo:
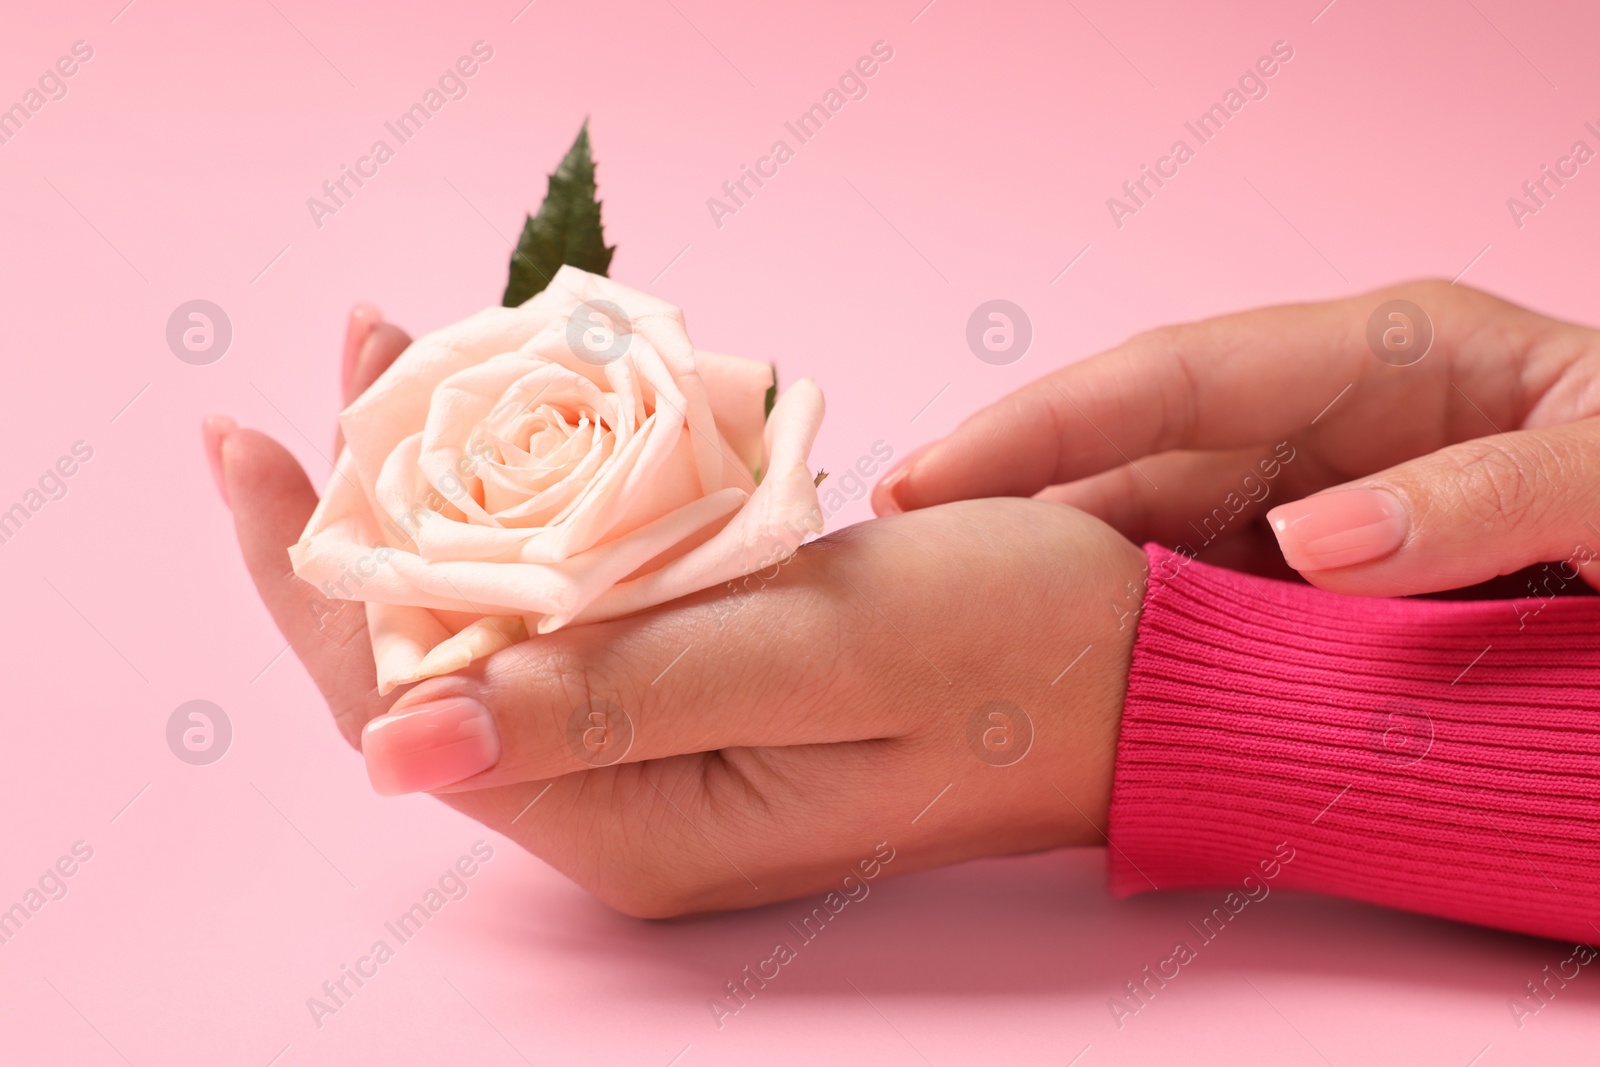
column 363, row 317
column 1343, row 528
column 212, row 431
column 885, row 498
column 428, row 746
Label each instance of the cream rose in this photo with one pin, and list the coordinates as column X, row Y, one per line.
column 567, row 461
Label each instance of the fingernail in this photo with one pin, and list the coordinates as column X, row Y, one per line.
column 363, row 317
column 213, row 428
column 885, row 496
column 429, row 746
column 1339, row 529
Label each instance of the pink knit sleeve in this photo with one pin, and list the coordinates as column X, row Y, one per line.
column 1437, row 756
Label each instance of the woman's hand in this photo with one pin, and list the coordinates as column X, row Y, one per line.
column 934, row 687
column 1479, row 459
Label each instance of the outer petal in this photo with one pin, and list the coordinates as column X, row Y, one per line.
column 667, row 363
column 571, row 287
column 771, row 525
column 411, row 644
column 401, row 637
column 602, row 568
column 342, row 520
column 737, row 389
column 483, row 637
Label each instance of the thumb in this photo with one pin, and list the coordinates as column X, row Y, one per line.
column 705, row 673
column 1455, row 517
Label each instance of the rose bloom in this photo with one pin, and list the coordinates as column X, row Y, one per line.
column 567, row 461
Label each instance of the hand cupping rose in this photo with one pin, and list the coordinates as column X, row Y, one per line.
column 567, row 461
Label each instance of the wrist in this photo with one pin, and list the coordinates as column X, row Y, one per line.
column 1083, row 680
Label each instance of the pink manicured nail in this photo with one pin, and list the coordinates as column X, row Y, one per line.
column 884, row 500
column 363, row 317
column 212, row 430
column 1339, row 529
column 429, row 746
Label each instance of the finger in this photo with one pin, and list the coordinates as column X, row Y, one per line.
column 1224, row 383
column 382, row 347
column 1191, row 498
column 1454, row 518
column 737, row 828
column 363, row 317
column 272, row 501
column 381, row 344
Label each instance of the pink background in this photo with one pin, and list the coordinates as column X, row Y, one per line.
column 978, row 167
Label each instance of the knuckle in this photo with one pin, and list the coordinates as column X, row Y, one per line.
column 592, row 704
column 1430, row 287
column 1177, row 395
column 1500, row 485
column 579, row 672
column 1164, row 338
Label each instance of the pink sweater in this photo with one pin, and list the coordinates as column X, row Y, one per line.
column 1437, row 756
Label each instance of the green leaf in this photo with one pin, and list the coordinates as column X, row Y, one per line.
column 566, row 229
column 772, row 392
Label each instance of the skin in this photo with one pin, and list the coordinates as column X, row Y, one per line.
column 1491, row 441
column 782, row 730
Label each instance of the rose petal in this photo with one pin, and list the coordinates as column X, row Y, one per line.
column 401, row 637
column 464, row 400
column 343, row 515
column 771, row 525
column 395, row 405
column 600, row 569
column 483, row 637
column 667, row 364
column 496, row 483
column 737, row 390
column 410, row 644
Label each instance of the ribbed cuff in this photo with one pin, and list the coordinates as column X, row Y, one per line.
column 1437, row 756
